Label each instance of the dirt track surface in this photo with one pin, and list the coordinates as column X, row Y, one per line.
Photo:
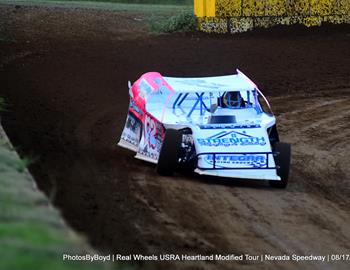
column 65, row 80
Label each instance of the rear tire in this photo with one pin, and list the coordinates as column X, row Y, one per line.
column 169, row 152
column 282, row 160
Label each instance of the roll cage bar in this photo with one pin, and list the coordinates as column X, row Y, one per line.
column 181, row 97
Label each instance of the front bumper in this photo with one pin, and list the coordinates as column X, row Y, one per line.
column 247, row 165
column 269, row 174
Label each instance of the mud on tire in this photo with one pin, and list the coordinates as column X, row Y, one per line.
column 282, row 160
column 169, row 153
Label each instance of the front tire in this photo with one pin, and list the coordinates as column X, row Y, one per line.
column 169, row 152
column 282, row 160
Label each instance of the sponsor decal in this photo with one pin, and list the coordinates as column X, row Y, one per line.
column 231, row 138
column 144, row 89
column 201, row 84
column 161, row 87
column 237, row 160
column 150, row 132
column 132, row 130
column 229, row 126
column 133, row 107
column 152, row 138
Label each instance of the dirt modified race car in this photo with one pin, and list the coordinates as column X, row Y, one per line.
column 219, row 126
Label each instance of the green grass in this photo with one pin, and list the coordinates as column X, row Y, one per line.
column 182, row 22
column 32, row 233
column 148, row 8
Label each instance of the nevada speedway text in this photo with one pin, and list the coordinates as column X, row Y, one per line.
column 199, row 257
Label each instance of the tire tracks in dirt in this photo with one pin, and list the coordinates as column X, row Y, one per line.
column 69, row 107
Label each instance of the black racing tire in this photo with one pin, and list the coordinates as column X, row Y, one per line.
column 169, row 152
column 282, row 160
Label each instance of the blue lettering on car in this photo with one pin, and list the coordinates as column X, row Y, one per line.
column 235, row 138
column 258, row 161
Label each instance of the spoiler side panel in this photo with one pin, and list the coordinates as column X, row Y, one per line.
column 131, row 134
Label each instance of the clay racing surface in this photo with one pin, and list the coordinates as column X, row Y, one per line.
column 64, row 74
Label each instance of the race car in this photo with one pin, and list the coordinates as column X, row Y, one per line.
column 219, row 126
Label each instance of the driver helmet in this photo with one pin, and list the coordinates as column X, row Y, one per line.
column 232, row 99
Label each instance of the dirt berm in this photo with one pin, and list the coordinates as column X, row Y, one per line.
column 65, row 72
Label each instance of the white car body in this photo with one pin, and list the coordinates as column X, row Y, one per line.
column 239, row 146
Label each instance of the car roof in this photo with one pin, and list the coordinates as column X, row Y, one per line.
column 235, row 82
